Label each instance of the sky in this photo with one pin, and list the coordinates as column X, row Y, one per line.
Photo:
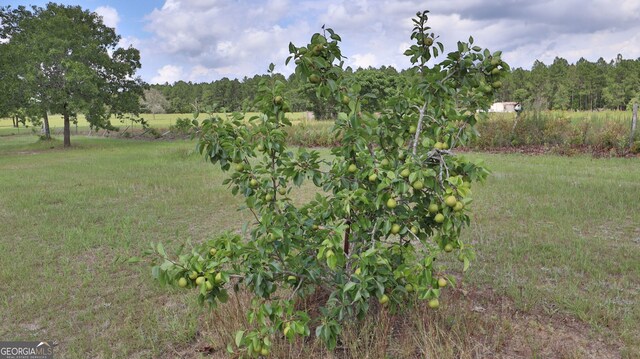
column 205, row 40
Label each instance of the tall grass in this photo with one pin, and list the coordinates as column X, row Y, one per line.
column 563, row 130
column 599, row 131
column 312, row 134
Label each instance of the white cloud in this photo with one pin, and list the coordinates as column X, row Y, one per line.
column 591, row 46
column 227, row 38
column 363, row 60
column 109, row 15
column 169, row 73
column 212, row 39
column 127, row 41
column 198, row 73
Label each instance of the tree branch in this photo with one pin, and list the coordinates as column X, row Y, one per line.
column 419, row 128
column 297, row 288
column 347, row 234
column 373, row 233
column 255, row 215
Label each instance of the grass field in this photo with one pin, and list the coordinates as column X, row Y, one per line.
column 557, row 276
column 604, row 132
column 596, row 118
column 163, row 121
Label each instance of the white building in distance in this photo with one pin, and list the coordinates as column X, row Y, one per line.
column 503, row 107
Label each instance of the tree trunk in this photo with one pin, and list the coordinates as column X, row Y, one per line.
column 67, row 129
column 579, row 102
column 571, row 101
column 47, row 131
column 634, row 123
column 14, row 121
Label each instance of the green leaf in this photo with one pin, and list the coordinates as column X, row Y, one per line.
column 134, row 260
column 332, row 262
column 348, row 287
column 160, row 249
column 223, row 296
column 357, row 297
column 379, row 288
column 467, row 263
column 239, row 336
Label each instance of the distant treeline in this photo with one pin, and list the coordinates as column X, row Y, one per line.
column 236, row 95
column 584, row 85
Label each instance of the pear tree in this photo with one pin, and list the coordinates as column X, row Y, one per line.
column 390, row 201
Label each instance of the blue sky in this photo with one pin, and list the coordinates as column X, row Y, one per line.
column 205, row 40
column 130, row 13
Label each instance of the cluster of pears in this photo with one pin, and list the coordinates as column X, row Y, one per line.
column 391, row 203
column 201, row 278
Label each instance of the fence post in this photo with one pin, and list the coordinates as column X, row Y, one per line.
column 634, row 122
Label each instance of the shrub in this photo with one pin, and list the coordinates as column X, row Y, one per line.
column 183, row 126
column 557, row 131
column 554, row 129
column 614, row 136
column 392, row 200
column 494, row 133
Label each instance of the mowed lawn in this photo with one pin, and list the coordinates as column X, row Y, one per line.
column 56, row 123
column 557, row 238
column 161, row 120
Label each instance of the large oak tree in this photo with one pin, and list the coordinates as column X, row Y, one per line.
column 67, row 61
